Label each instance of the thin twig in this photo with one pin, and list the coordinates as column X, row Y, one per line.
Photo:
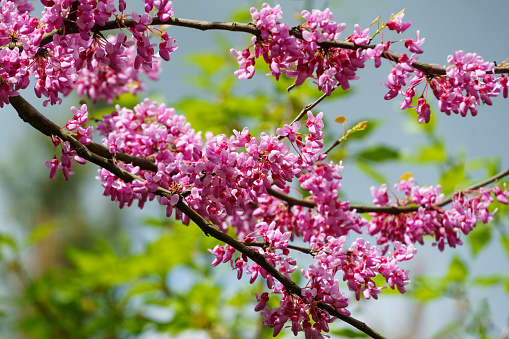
column 336, row 143
column 308, row 108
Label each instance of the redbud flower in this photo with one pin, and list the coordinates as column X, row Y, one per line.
column 423, row 110
column 360, row 37
column 413, row 45
column 53, row 165
column 396, row 23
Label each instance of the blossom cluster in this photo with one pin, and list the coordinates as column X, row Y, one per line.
column 298, row 53
column 357, row 266
column 83, row 60
column 469, row 81
column 226, row 180
column 445, row 226
column 303, row 58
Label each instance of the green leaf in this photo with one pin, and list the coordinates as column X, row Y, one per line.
column 431, row 153
column 372, row 125
column 451, row 179
column 158, row 222
column 145, row 286
column 349, row 333
column 504, row 239
column 361, row 126
column 457, row 270
column 479, row 238
column 224, row 116
column 42, row 231
column 489, row 280
column 7, row 240
column 426, row 288
column 379, row 154
column 208, row 62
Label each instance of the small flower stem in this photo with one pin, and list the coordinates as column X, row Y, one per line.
column 308, row 108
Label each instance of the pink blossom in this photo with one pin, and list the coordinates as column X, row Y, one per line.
column 360, row 37
column 413, row 45
column 396, row 23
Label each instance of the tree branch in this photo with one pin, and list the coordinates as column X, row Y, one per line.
column 263, row 244
column 71, row 28
column 384, row 209
column 44, row 125
column 30, row 115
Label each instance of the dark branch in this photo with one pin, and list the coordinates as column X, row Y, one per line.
column 384, row 209
column 308, row 108
column 71, row 28
column 292, row 247
column 30, row 115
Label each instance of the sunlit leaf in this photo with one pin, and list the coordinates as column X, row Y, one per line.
column 504, row 239
column 340, row 119
column 489, row 280
column 379, row 154
column 7, row 240
column 451, row 179
column 431, row 153
column 359, row 127
column 457, row 270
column 479, row 238
column 426, row 288
column 368, row 128
column 41, row 231
column 406, row 176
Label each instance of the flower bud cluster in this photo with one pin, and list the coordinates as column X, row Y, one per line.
column 445, row 226
column 357, row 266
column 303, row 58
column 108, row 70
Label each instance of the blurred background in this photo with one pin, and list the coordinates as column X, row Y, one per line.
column 73, row 265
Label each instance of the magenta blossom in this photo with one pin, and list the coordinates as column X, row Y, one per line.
column 396, row 23
column 414, row 45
